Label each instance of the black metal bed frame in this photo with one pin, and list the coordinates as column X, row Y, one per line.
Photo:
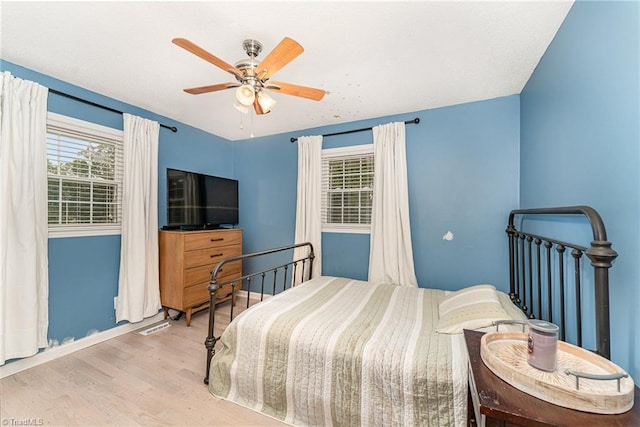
column 526, row 267
column 214, row 285
column 526, row 275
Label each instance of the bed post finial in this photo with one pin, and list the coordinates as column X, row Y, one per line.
column 601, row 254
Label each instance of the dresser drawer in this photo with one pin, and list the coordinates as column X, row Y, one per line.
column 226, row 290
column 219, row 238
column 196, row 294
column 201, row 274
column 210, row 256
column 199, row 294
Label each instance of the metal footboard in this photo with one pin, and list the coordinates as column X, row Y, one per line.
column 537, row 276
column 300, row 270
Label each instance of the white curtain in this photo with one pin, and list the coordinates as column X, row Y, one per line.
column 24, row 280
column 391, row 253
column 308, row 214
column 138, row 287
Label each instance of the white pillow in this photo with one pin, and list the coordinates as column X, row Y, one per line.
column 474, row 307
column 467, row 296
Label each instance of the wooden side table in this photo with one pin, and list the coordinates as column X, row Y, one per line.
column 493, row 402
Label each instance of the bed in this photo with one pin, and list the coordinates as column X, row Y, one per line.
column 336, row 351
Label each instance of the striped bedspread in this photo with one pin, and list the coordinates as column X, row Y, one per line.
column 335, row 351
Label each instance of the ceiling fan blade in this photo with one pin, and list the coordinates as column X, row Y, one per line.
column 295, row 90
column 198, row 51
column 210, row 88
column 286, row 51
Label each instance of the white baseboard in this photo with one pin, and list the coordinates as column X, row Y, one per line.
column 52, row 353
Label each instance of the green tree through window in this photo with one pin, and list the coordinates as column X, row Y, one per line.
column 84, row 178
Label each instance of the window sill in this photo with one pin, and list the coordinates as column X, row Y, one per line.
column 346, row 230
column 83, row 232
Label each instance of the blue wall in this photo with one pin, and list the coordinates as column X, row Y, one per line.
column 463, row 176
column 580, row 144
column 83, row 271
column 572, row 137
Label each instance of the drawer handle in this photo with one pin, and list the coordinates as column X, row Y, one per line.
column 219, row 239
column 215, row 255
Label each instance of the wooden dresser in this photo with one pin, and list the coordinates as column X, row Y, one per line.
column 187, row 259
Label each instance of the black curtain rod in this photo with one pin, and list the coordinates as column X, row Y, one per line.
column 407, row 122
column 104, row 107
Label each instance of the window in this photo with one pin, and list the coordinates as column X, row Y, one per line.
column 84, row 175
column 347, row 189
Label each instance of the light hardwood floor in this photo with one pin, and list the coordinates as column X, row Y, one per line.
column 129, row 380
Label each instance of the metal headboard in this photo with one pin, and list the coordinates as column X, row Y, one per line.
column 526, row 267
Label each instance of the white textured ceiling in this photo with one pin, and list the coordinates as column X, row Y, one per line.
column 374, row 58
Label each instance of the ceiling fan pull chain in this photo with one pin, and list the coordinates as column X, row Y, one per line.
column 251, row 112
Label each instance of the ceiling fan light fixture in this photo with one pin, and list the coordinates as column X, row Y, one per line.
column 266, row 102
column 245, row 94
column 242, row 108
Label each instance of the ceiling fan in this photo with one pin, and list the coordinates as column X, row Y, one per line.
column 253, row 76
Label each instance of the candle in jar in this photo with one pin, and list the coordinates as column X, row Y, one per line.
column 543, row 345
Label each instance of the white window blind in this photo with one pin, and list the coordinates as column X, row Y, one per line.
column 347, row 189
column 84, row 174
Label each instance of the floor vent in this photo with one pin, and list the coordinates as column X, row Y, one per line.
column 155, row 329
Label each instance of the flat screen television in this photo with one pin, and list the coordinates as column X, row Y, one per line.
column 198, row 201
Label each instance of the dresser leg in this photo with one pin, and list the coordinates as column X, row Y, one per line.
column 166, row 312
column 189, row 316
